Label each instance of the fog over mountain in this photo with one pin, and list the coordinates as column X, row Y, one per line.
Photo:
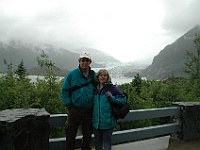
column 65, row 60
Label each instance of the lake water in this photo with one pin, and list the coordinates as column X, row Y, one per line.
column 120, row 80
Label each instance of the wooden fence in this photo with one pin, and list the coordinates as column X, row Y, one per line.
column 125, row 136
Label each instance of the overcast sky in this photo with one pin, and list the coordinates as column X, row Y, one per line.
column 129, row 30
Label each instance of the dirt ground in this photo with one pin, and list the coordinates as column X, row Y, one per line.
column 181, row 145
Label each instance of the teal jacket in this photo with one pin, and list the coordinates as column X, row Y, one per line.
column 102, row 117
column 81, row 98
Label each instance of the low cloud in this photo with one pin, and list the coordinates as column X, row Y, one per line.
column 181, row 15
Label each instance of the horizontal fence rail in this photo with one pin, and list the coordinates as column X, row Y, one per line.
column 58, row 120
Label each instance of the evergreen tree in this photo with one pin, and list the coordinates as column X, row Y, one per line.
column 21, row 70
column 137, row 83
column 193, row 66
column 193, row 60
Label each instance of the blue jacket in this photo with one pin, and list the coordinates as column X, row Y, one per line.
column 81, row 98
column 102, row 117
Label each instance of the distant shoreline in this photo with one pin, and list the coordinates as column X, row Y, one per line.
column 118, row 80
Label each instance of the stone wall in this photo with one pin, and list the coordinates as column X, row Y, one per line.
column 190, row 121
column 24, row 129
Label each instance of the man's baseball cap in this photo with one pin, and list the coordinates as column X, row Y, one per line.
column 85, row 55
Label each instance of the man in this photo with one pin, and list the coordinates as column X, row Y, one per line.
column 77, row 95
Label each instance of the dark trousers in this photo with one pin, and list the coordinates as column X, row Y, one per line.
column 103, row 139
column 75, row 118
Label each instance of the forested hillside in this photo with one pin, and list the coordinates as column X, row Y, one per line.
column 170, row 61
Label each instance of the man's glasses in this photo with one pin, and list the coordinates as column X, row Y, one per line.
column 85, row 60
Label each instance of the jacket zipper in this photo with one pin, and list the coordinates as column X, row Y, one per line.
column 99, row 95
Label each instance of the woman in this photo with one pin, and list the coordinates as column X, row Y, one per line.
column 103, row 120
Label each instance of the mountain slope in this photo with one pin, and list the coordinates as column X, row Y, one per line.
column 170, row 61
column 15, row 51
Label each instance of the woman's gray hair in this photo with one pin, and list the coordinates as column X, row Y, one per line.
column 103, row 71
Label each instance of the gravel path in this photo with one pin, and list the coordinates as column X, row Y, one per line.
column 180, row 145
